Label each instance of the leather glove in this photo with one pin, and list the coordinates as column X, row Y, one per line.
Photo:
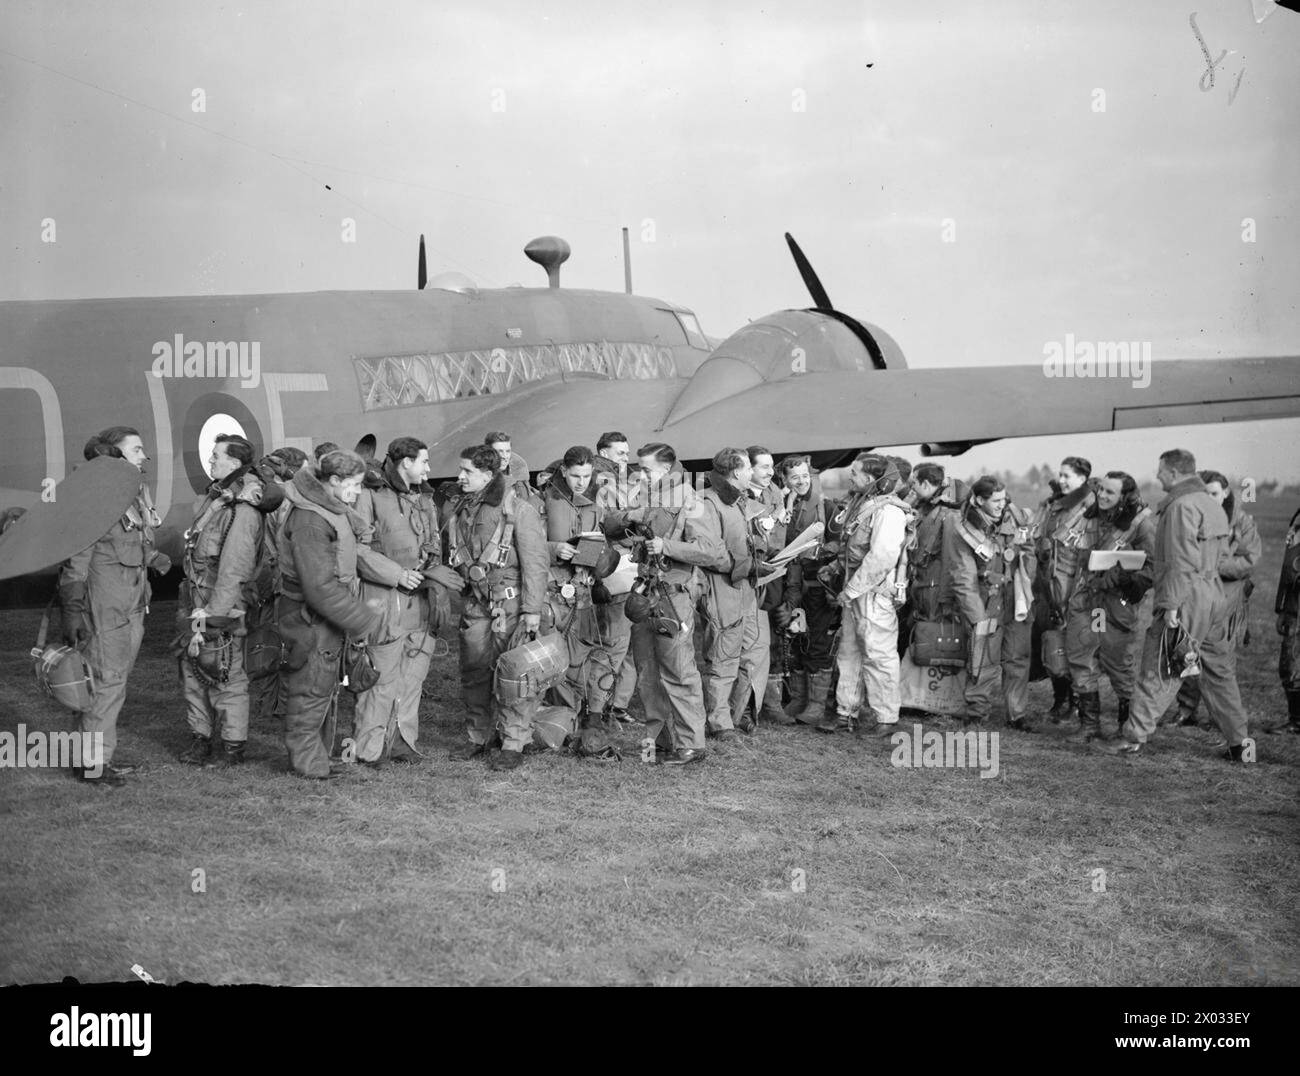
column 160, row 564
column 77, row 629
column 781, row 617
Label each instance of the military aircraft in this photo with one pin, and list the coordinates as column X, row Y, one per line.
column 550, row 365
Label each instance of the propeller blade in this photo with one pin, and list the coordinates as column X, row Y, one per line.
column 423, row 272
column 820, row 299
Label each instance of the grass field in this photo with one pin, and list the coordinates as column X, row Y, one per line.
column 573, row 872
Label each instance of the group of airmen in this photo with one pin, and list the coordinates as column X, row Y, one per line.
column 309, row 575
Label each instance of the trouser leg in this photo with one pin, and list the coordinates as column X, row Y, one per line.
column 266, row 697
column 1116, row 658
column 722, row 649
column 679, row 683
column 111, row 653
column 755, row 659
column 477, row 659
column 655, row 699
column 583, row 641
column 310, row 707
column 880, row 666
column 1219, row 687
column 627, row 678
column 199, row 714
column 1152, row 694
column 849, row 662
column 230, row 700
column 1015, row 649
column 610, row 657
column 404, row 729
column 980, row 689
column 514, row 719
column 375, row 707
column 1082, row 641
column 823, row 626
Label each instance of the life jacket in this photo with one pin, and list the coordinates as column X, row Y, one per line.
column 345, row 541
column 486, row 569
column 859, row 513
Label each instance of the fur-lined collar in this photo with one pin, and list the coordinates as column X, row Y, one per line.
column 1063, row 502
column 977, row 519
column 557, row 489
column 493, row 494
column 1184, row 487
column 307, row 488
column 1120, row 517
column 721, row 485
column 393, row 479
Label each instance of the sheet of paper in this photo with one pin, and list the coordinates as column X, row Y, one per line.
column 1101, row 559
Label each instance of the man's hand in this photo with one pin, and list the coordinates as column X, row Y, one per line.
column 566, row 551
column 411, row 579
column 654, row 546
column 161, row 563
column 76, row 628
column 532, row 622
column 1171, row 618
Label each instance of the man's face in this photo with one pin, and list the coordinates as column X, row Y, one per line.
column 617, row 451
column 348, row 489
column 1217, row 492
column 994, row 504
column 799, row 479
column 654, row 469
column 926, row 490
column 1109, row 491
column 470, row 478
column 1165, row 476
column 744, row 474
column 132, row 449
column 414, row 470
column 763, row 470
column 859, row 479
column 220, row 462
column 578, row 477
column 503, row 450
column 1069, row 479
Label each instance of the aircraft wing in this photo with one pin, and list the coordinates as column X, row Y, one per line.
column 840, row 409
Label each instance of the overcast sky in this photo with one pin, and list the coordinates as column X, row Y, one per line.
column 1092, row 186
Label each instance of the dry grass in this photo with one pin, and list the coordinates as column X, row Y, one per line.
column 634, row 874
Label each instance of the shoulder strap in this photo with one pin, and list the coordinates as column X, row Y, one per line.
column 44, row 631
column 978, row 543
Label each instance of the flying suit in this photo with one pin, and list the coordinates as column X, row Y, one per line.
column 875, row 529
column 222, row 560
column 108, row 584
column 404, row 524
column 1104, row 607
column 568, row 595
column 497, row 543
column 669, row 676
column 319, row 605
column 1191, row 538
column 988, row 580
column 762, row 508
column 727, row 606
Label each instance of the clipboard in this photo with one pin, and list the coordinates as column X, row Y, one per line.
column 1101, row 559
